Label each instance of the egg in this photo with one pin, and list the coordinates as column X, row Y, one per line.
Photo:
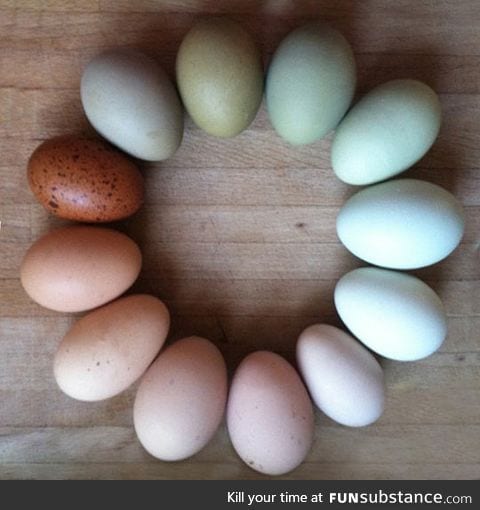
column 401, row 224
column 85, row 180
column 386, row 132
column 76, row 268
column 181, row 399
column 394, row 314
column 310, row 83
column 220, row 76
column 110, row 348
column 269, row 414
column 344, row 380
column 130, row 101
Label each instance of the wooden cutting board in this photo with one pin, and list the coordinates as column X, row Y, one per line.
column 238, row 238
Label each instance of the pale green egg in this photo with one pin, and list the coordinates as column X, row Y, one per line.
column 310, row 83
column 386, row 132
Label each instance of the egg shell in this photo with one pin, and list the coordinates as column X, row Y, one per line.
column 310, row 83
column 181, row 399
column 130, row 100
column 386, row 132
column 110, row 348
column 344, row 380
column 76, row 268
column 269, row 414
column 220, row 76
column 392, row 313
column 401, row 224
column 85, row 180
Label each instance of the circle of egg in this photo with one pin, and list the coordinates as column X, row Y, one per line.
column 398, row 224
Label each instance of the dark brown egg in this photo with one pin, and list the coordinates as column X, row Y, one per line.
column 85, row 180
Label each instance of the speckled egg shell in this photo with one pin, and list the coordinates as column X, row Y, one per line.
column 108, row 349
column 85, row 180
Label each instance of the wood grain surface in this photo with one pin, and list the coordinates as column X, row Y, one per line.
column 238, row 238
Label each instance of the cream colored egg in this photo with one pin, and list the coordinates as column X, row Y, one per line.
column 386, row 132
column 181, row 399
column 401, row 224
column 344, row 380
column 310, row 83
column 77, row 268
column 130, row 101
column 269, row 414
column 220, row 76
column 394, row 314
column 110, row 348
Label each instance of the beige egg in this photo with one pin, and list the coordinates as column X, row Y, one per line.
column 78, row 268
column 343, row 378
column 181, row 399
column 110, row 348
column 220, row 76
column 269, row 414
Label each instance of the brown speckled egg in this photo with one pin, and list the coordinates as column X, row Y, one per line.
column 85, row 180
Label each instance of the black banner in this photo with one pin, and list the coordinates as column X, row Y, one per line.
column 258, row 495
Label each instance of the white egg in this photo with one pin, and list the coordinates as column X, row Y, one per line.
column 392, row 313
column 130, row 100
column 401, row 224
column 344, row 380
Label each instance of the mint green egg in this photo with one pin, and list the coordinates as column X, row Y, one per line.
column 310, row 83
column 386, row 132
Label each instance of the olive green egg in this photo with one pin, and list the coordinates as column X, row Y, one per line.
column 310, row 83
column 386, row 132
column 220, row 76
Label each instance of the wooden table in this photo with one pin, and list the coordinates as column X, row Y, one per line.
column 238, row 238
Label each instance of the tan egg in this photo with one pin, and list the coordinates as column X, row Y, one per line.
column 269, row 414
column 110, row 348
column 343, row 378
column 181, row 399
column 84, row 179
column 220, row 76
column 77, row 268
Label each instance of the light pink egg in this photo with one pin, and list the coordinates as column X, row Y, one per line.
column 181, row 399
column 343, row 378
column 269, row 414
